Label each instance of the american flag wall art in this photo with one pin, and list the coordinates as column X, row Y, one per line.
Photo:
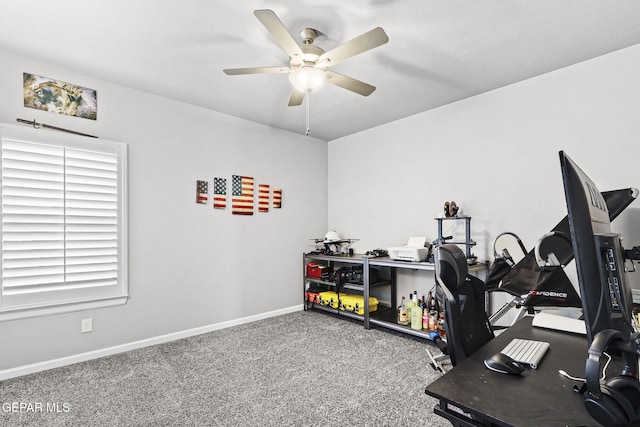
column 242, row 195
column 263, row 198
column 220, row 193
column 202, row 189
column 277, row 198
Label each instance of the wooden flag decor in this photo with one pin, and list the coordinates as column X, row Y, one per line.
column 219, row 193
column 277, row 198
column 242, row 195
column 202, row 189
column 263, row 198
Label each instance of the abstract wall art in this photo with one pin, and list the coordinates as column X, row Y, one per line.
column 55, row 96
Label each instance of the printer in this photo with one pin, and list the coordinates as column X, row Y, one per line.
column 416, row 250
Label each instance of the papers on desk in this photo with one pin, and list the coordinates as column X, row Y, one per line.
column 559, row 323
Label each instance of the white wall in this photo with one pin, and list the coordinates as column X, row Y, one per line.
column 190, row 265
column 496, row 155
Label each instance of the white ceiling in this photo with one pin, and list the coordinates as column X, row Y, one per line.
column 439, row 51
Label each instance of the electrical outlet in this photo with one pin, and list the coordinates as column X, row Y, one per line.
column 87, row 325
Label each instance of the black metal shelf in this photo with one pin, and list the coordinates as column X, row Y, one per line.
column 351, row 259
column 336, row 311
column 384, row 316
column 387, row 318
column 468, row 242
column 352, row 286
column 388, row 262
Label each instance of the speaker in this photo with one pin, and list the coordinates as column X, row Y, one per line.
column 617, row 402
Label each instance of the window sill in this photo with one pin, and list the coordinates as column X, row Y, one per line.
column 66, row 307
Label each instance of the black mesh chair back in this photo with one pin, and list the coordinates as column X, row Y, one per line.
column 467, row 325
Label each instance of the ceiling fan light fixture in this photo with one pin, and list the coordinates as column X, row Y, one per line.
column 307, row 79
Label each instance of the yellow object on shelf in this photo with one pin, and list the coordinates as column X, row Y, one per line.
column 329, row 298
column 348, row 302
column 355, row 303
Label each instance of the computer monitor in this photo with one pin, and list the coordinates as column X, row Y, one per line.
column 606, row 296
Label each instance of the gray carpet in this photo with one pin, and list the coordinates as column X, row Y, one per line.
column 299, row 369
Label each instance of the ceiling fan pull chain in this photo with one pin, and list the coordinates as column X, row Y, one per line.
column 308, row 97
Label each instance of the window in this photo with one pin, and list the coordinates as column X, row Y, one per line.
column 64, row 233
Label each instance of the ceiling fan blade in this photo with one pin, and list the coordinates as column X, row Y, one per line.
column 350, row 83
column 256, row 70
column 277, row 29
column 362, row 43
column 297, row 97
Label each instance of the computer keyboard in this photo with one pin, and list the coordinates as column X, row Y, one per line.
column 526, row 351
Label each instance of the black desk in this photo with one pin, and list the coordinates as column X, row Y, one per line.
column 540, row 397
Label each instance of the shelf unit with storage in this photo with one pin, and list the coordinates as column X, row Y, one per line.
column 384, row 316
column 334, row 262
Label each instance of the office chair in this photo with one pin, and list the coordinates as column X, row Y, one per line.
column 467, row 325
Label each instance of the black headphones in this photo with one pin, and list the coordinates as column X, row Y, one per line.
column 616, row 403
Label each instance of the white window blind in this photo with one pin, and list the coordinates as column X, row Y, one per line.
column 63, row 225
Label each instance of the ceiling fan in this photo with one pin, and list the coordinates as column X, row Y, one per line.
column 308, row 65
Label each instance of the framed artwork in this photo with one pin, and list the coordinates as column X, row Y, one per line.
column 219, row 193
column 263, row 198
column 242, row 189
column 277, row 198
column 55, row 96
column 242, row 195
column 202, row 191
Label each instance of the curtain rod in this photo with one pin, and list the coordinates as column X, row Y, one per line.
column 37, row 125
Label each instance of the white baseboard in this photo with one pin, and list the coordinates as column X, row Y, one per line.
column 95, row 354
